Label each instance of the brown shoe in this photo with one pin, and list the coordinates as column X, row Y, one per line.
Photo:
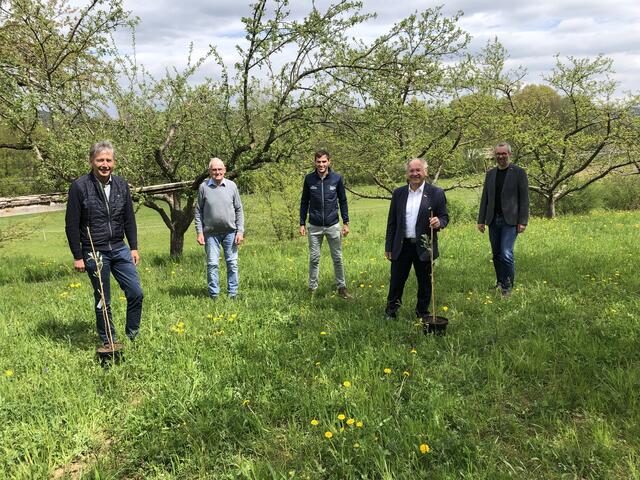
column 342, row 292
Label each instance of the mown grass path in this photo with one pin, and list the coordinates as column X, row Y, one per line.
column 542, row 385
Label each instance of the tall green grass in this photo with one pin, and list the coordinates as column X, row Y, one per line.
column 542, row 385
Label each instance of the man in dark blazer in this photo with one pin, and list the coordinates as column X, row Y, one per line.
column 414, row 210
column 504, row 206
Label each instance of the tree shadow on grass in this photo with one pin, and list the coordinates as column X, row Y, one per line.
column 76, row 333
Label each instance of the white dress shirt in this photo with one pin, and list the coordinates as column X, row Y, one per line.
column 411, row 212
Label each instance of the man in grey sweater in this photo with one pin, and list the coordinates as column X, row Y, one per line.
column 220, row 223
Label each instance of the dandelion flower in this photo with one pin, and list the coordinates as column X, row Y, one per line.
column 424, row 448
column 323, row 333
column 328, row 434
column 362, row 285
column 8, row 373
column 387, row 371
column 406, row 373
column 351, row 421
column 445, row 308
column 359, row 424
column 245, row 403
column 413, row 351
column 346, row 383
column 317, row 364
column 314, row 422
column 341, row 416
column 356, row 445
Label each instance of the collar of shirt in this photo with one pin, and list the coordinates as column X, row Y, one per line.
column 212, row 183
column 418, row 190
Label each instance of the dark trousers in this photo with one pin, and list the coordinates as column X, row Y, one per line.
column 400, row 269
column 120, row 263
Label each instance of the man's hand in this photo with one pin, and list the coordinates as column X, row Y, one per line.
column 521, row 228
column 78, row 265
column 434, row 222
column 387, row 255
column 239, row 238
column 135, row 256
column 480, row 227
column 345, row 229
column 200, row 238
column 303, row 230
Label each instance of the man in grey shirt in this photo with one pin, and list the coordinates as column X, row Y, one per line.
column 220, row 222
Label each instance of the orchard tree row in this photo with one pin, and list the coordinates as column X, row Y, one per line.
column 296, row 85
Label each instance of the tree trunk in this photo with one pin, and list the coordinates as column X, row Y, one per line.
column 176, row 243
column 551, row 207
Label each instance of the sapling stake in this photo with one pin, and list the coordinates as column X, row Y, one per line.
column 97, row 258
column 433, row 280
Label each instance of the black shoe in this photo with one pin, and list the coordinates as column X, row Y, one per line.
column 390, row 315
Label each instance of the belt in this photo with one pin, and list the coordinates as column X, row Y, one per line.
column 410, row 240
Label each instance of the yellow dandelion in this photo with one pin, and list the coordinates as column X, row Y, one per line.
column 317, row 364
column 8, row 373
column 314, row 422
column 180, row 324
column 173, row 272
column 359, row 424
column 406, row 373
column 387, row 371
column 413, row 351
column 362, row 285
column 341, row 416
column 233, row 315
column 445, row 308
column 424, row 448
column 328, row 434
column 245, row 403
column 356, row 445
column 351, row 421
column 323, row 333
column 346, row 383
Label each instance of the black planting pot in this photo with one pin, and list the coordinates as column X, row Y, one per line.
column 436, row 325
column 110, row 354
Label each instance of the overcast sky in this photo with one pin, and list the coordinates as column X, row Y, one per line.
column 532, row 31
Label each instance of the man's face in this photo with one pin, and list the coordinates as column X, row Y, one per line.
column 416, row 173
column 322, row 165
column 217, row 171
column 503, row 156
column 102, row 165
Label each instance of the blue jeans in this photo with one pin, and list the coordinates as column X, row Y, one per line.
column 503, row 237
column 212, row 248
column 120, row 263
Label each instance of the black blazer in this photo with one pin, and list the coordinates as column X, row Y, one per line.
column 433, row 199
column 515, row 197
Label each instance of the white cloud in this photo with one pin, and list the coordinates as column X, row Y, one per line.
column 532, row 32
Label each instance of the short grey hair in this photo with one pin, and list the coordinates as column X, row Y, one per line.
column 214, row 160
column 102, row 146
column 503, row 144
column 422, row 161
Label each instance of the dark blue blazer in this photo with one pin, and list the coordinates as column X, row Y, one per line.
column 433, row 201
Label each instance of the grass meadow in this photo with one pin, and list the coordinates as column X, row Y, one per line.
column 543, row 385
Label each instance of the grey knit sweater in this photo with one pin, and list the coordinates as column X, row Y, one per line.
column 219, row 209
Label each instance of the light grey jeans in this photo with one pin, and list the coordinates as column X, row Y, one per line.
column 334, row 238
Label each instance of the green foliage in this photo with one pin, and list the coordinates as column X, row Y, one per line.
column 279, row 186
column 568, row 133
column 541, row 385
